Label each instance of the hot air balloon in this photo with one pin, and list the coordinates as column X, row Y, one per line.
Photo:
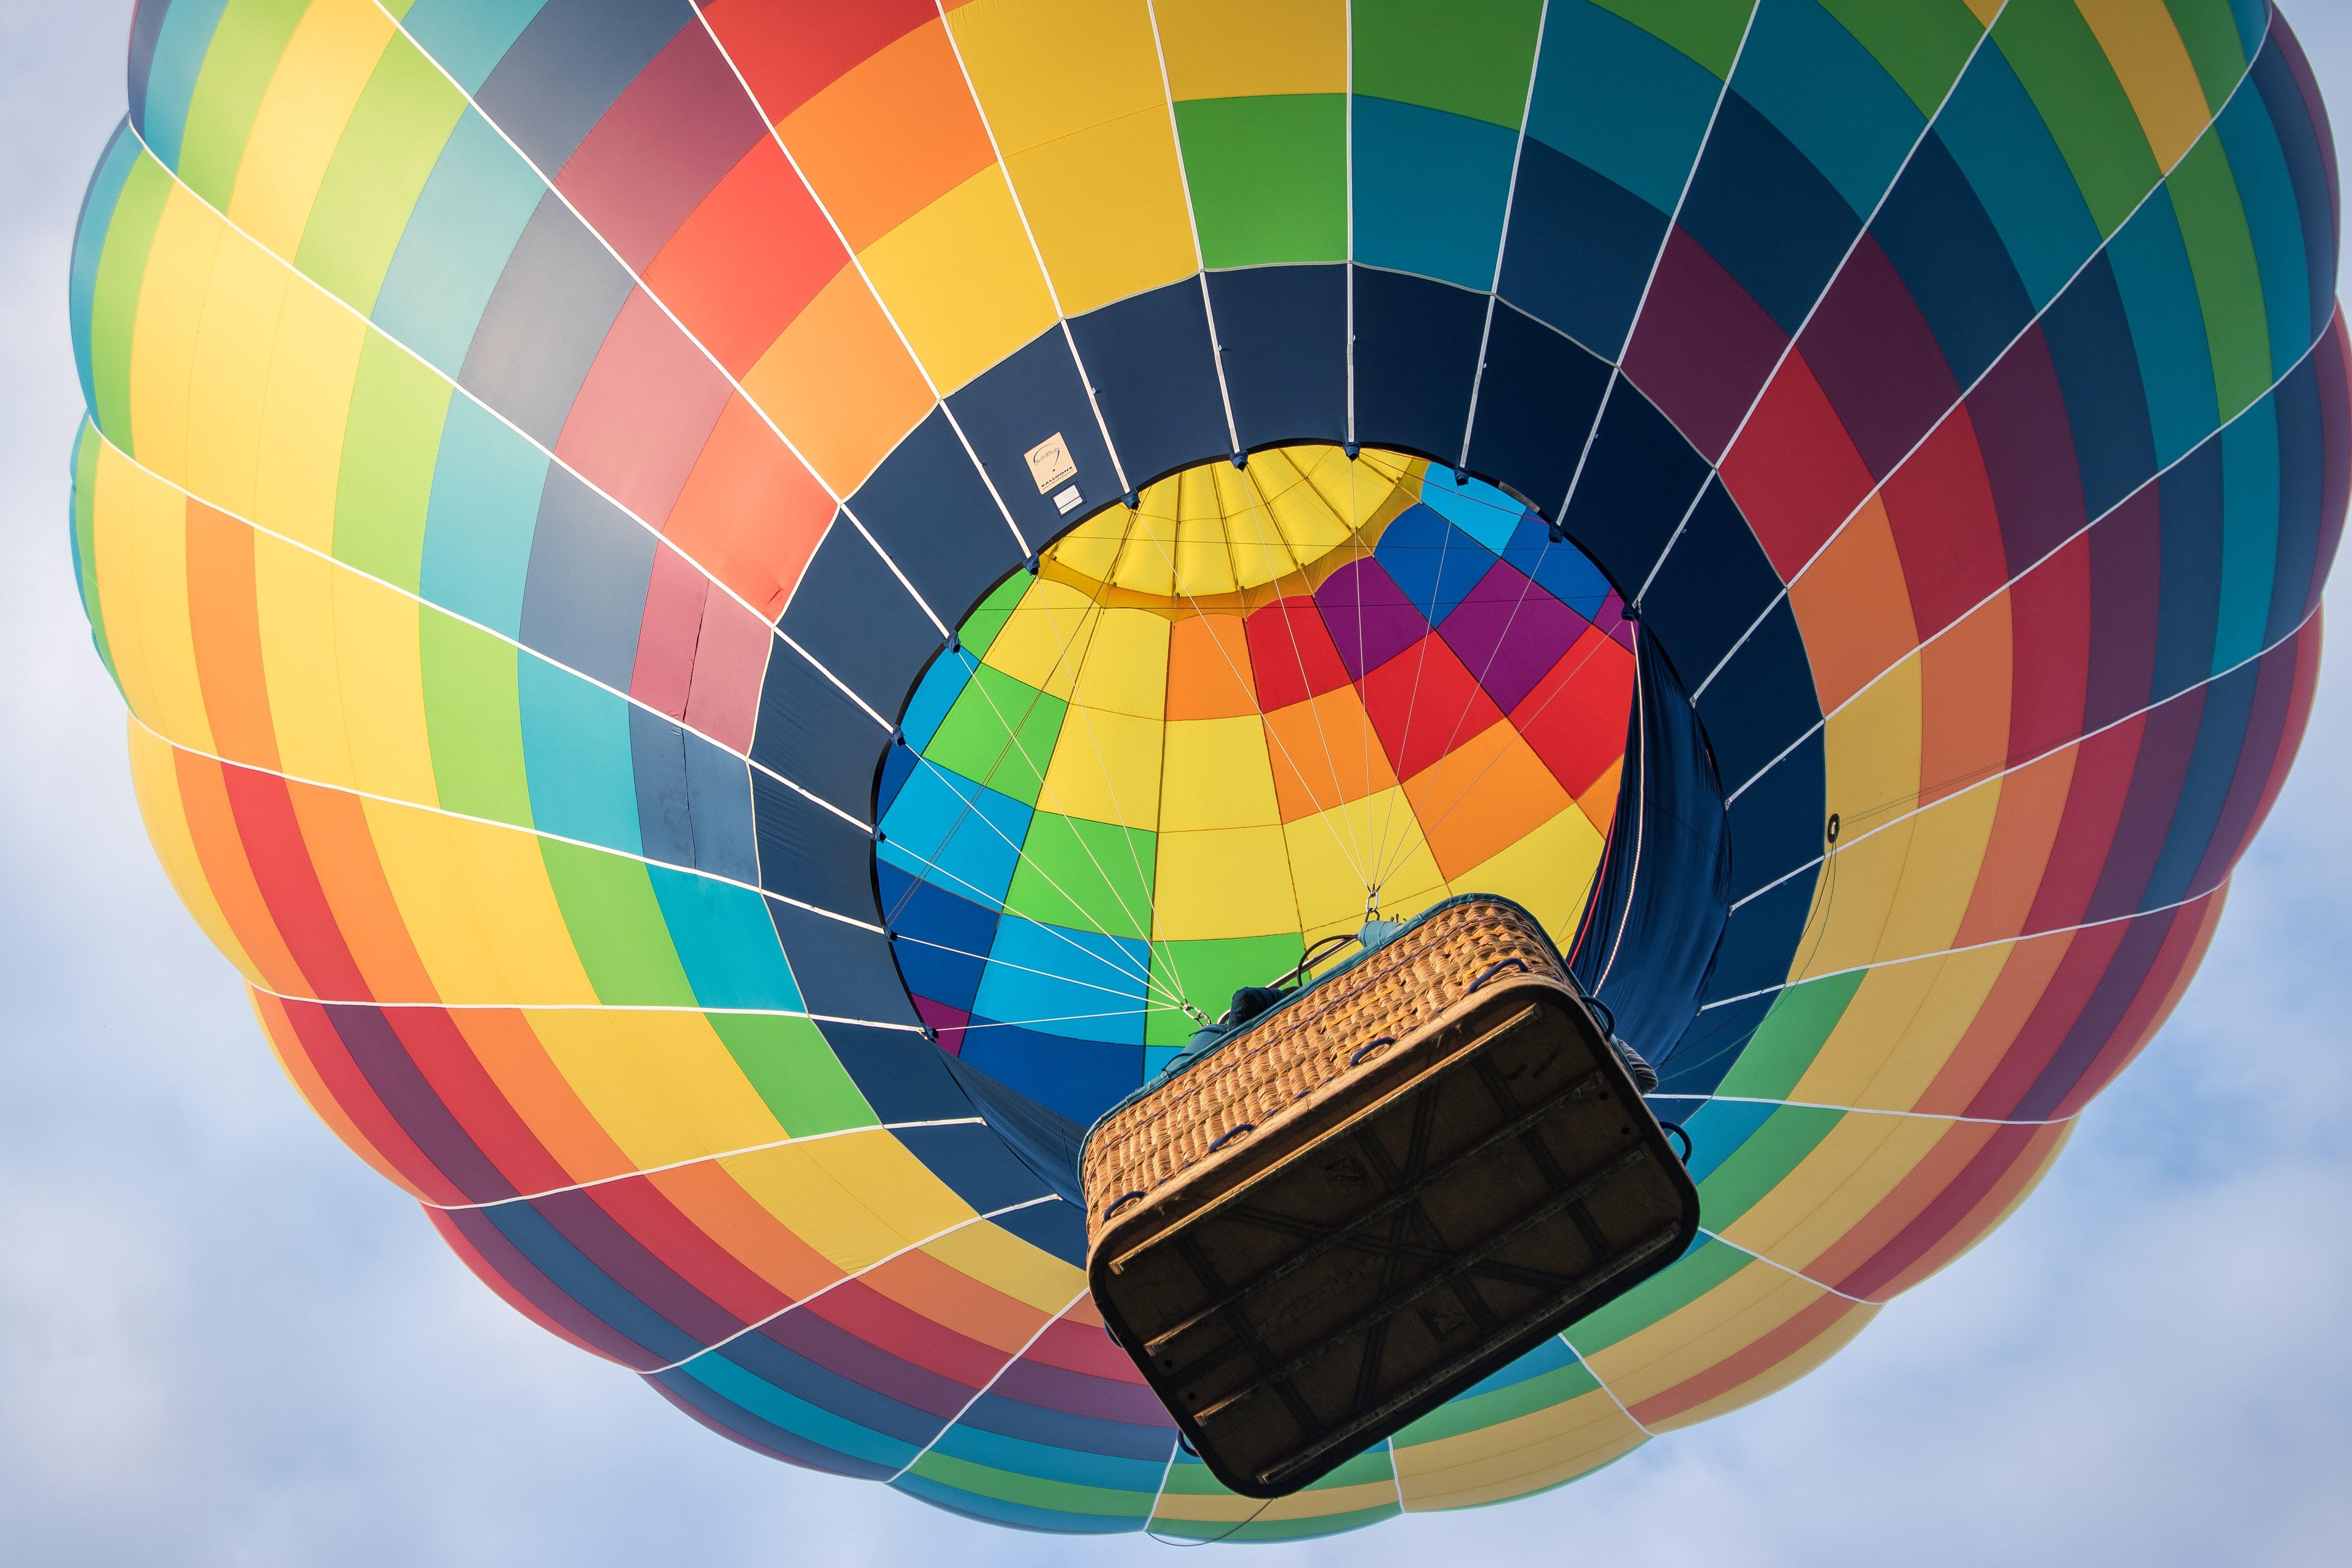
column 739, row 616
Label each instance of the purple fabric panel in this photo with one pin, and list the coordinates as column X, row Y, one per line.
column 605, row 1242
column 1371, row 619
column 1702, row 349
column 2126, row 575
column 1508, row 632
column 1058, row 1388
column 1877, row 360
column 526, row 1280
column 844, row 1355
column 2127, row 972
column 377, row 1051
column 2167, row 744
column 2020, row 414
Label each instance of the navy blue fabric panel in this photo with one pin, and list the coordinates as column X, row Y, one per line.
column 566, row 69
column 658, row 764
column 1762, row 700
column 897, row 767
column 719, row 808
column 1951, row 258
column 572, row 1271
column 947, row 963
column 903, row 1075
column 1713, row 584
column 1579, row 249
column 1155, row 375
column 1077, row 1077
column 1759, row 942
column 584, row 592
column 974, row 1161
column 808, row 853
column 2306, row 165
column 856, row 619
column 1779, row 822
column 1057, row 1228
column 1416, row 357
column 1638, row 481
column 1537, row 400
column 1066, row 1429
column 2303, row 463
column 723, row 1415
column 1284, row 332
column 2127, row 609
column 928, row 506
column 2190, row 585
column 2221, row 737
column 844, row 972
column 1762, row 210
column 2098, row 373
column 813, row 735
column 547, row 318
column 1715, row 1039
column 1026, row 397
column 820, row 1362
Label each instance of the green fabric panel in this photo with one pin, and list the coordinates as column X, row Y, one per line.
column 1697, row 1272
column 1922, row 44
column 1708, row 31
column 82, row 510
column 1471, row 60
column 1758, row 1165
column 473, row 719
column 1033, row 1491
column 1208, row 973
column 396, row 136
column 2211, row 33
column 1269, row 176
column 1189, row 1478
column 615, row 922
column 1322, row 1524
column 244, row 56
column 1000, row 733
column 1542, row 1391
column 794, row 1069
column 1789, row 1037
column 980, row 629
column 2057, row 57
column 2229, row 278
column 1085, row 876
column 398, row 405
column 114, row 303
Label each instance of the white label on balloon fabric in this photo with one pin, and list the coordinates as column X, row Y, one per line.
column 1066, row 500
column 1050, row 463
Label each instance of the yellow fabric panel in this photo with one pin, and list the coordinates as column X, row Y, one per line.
column 1236, row 49
column 1986, row 10
column 1947, row 849
column 1835, row 1187
column 1221, row 1507
column 1333, row 851
column 1548, row 871
column 961, row 280
column 1512, row 1459
column 1050, row 68
column 1684, row 1343
column 478, row 907
column 1777, row 1376
column 1004, row 1262
column 378, row 659
column 1229, row 881
column 155, row 783
column 1217, row 775
column 1125, row 665
column 2153, row 64
column 855, row 1200
column 121, row 491
column 228, row 386
column 294, row 600
column 156, row 555
column 1871, row 752
column 1047, row 640
column 1106, row 768
column 313, row 367
column 180, row 263
column 326, row 64
column 662, row 1085
column 1903, row 1025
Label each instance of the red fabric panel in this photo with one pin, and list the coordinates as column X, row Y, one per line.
column 645, row 411
column 1795, row 472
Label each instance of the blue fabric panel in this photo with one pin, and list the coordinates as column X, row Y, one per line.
column 571, row 1270
column 808, row 854
column 2250, row 530
column 567, row 66
column 458, row 238
column 1999, row 140
column 1031, row 393
column 2190, row 495
column 1638, row 481
column 1430, row 189
column 1766, row 215
column 844, row 972
column 1717, row 1130
column 1285, row 330
column 481, row 517
column 2091, row 345
column 1712, row 586
column 1416, row 357
column 785, row 1390
column 2253, row 19
column 927, row 507
column 468, row 37
column 1779, row 820
column 1155, row 375
column 855, row 617
column 797, row 1354
column 897, row 766
column 1829, row 97
column 963, row 835
column 1487, row 514
column 2306, row 166
column 1581, row 249
column 2303, row 447
column 1037, row 1424
column 725, row 942
column 686, row 1389
column 1078, row 1079
column 1560, row 570
column 718, row 805
column 1761, row 701
column 1435, row 563
column 1951, row 258
column 2168, row 326
column 941, row 684
column 576, row 741
column 1550, row 1356
column 1054, row 1461
column 2212, row 768
column 1054, row 980
column 91, row 227
column 168, row 45
column 1539, row 394
column 1620, row 100
column 544, row 323
column 584, row 592
column 2266, row 189
column 811, row 732
column 658, row 764
column 941, row 941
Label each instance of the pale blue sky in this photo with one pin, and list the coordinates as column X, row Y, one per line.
column 224, row 1340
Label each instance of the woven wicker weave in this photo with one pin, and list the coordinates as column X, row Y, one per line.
column 1307, row 1045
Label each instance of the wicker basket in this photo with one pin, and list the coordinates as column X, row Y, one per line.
column 1373, row 1196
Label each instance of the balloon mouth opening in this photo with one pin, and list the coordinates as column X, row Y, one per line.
column 1206, row 730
